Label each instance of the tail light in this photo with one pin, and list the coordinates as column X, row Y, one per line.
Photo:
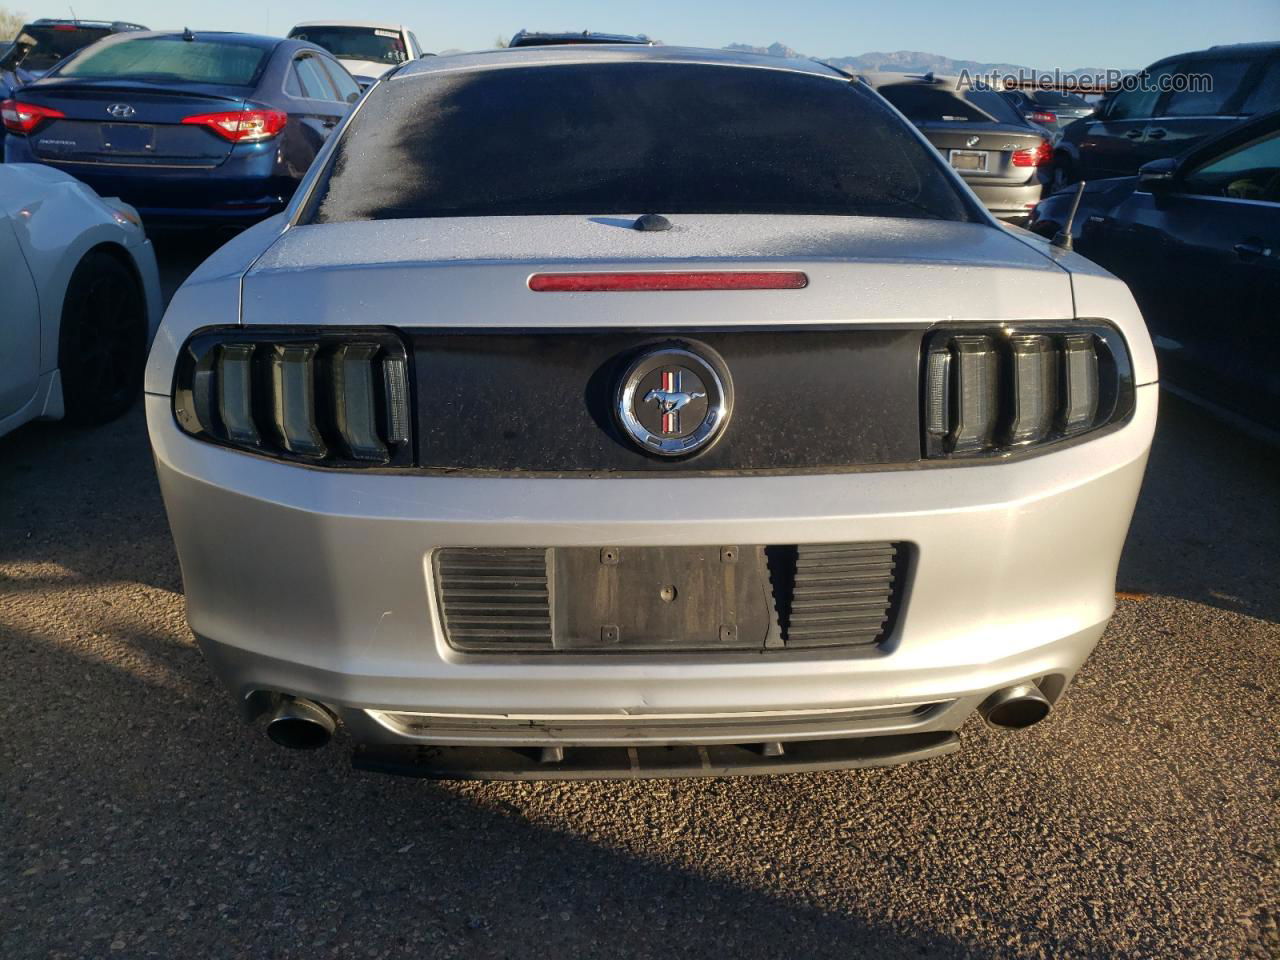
column 1043, row 116
column 26, row 117
column 329, row 398
column 242, row 126
column 1034, row 157
column 990, row 392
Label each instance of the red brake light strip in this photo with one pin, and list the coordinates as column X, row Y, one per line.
column 668, row 281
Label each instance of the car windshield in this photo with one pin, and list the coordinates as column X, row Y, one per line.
column 925, row 103
column 51, row 44
column 620, row 137
column 168, row 60
column 356, row 43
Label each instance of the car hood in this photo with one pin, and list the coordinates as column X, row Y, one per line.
column 474, row 271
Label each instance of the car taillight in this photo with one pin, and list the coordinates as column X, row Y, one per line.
column 332, row 398
column 1034, row 157
column 242, row 126
column 992, row 391
column 1043, row 116
column 22, row 117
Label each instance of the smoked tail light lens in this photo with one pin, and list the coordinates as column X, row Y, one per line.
column 26, row 118
column 992, row 392
column 334, row 398
column 242, row 126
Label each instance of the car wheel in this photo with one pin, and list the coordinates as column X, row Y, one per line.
column 102, row 340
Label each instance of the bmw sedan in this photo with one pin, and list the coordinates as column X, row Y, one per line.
column 999, row 154
column 657, row 435
column 188, row 128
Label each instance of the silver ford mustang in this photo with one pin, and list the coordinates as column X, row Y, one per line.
column 644, row 411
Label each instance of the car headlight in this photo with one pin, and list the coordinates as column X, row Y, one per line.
column 993, row 391
column 326, row 397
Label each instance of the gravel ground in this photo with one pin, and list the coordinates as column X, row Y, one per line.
column 139, row 818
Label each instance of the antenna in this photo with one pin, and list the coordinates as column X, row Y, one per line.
column 1062, row 239
column 74, row 18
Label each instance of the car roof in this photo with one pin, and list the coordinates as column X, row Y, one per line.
column 367, row 24
column 208, row 36
column 610, row 53
column 1257, row 49
column 535, row 37
column 120, row 25
column 886, row 79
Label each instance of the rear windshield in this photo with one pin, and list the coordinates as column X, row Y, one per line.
column 922, row 103
column 356, row 43
column 51, row 44
column 630, row 138
column 168, row 59
column 1051, row 98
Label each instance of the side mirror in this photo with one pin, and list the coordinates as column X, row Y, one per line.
column 1158, row 176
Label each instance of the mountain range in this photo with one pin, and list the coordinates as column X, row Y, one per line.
column 907, row 61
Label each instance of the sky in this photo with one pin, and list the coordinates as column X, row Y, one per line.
column 1080, row 33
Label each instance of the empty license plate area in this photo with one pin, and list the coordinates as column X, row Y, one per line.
column 132, row 138
column 969, row 160
column 662, row 598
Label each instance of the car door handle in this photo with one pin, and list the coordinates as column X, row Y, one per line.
column 1133, row 134
column 1159, row 133
column 1251, row 250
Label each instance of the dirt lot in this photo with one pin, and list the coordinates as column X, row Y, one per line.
column 139, row 818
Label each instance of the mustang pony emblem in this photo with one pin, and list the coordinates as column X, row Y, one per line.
column 671, row 399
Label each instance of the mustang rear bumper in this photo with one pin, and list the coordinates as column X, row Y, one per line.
column 318, row 584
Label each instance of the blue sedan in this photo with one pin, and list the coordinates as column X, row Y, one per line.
column 189, row 128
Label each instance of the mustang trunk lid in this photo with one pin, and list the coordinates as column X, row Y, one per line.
column 474, row 272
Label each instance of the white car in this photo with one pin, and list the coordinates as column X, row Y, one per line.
column 650, row 435
column 80, row 296
column 367, row 50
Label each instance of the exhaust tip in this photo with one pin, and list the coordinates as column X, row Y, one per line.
column 301, row 725
column 1016, row 707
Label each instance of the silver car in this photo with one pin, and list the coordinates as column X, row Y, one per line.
column 643, row 411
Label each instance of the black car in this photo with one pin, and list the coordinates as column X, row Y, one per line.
column 1167, row 112
column 189, row 128
column 998, row 153
column 533, row 38
column 42, row 44
column 1197, row 238
column 1049, row 108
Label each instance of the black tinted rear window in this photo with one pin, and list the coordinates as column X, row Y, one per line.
column 49, row 45
column 923, row 103
column 630, row 138
column 169, row 59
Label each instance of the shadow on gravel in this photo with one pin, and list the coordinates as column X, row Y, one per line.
column 1207, row 526
column 156, row 819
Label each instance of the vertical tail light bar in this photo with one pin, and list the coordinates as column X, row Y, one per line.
column 294, row 405
column 326, row 397
column 355, row 409
column 235, row 374
column 1080, row 383
column 990, row 392
column 1034, row 392
column 975, row 393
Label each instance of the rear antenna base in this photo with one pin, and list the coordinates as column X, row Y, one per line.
column 1062, row 239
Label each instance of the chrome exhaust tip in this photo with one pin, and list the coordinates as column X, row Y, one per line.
column 301, row 724
column 1016, row 707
